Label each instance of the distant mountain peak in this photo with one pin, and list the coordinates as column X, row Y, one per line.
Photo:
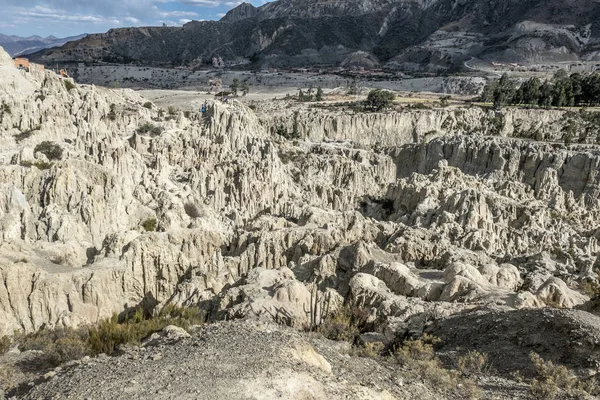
column 243, row 11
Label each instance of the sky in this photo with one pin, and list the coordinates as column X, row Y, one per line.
column 63, row 18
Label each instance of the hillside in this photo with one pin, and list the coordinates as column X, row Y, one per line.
column 427, row 34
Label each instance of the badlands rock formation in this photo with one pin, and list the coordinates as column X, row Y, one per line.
column 218, row 211
column 391, row 129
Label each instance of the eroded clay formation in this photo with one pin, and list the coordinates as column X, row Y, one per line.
column 219, row 211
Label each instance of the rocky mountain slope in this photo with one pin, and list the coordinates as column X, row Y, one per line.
column 108, row 204
column 427, row 34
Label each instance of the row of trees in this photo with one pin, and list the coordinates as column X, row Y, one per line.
column 377, row 100
column 236, row 86
column 563, row 90
column 310, row 95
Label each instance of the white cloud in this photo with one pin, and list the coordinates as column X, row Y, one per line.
column 69, row 17
column 24, row 15
column 132, row 20
column 210, row 3
column 170, row 14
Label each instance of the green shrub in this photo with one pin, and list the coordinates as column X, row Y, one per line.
column 5, row 343
column 419, row 106
column 344, row 324
column 6, row 108
column 472, row 363
column 38, row 164
column 150, row 128
column 69, row 85
column 591, row 288
column 445, row 100
column 57, row 346
column 369, row 350
column 149, row 225
column 112, row 115
column 416, row 349
column 8, row 377
column 192, row 210
column 61, row 345
column 109, row 334
column 551, row 379
column 543, row 389
column 418, row 358
column 148, row 105
column 172, row 110
column 546, row 371
column 187, row 114
column 379, row 99
column 50, row 149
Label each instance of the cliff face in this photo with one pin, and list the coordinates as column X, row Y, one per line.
column 429, row 34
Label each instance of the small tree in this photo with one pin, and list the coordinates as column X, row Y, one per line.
column 69, row 85
column 378, row 99
column 444, row 101
column 487, row 96
column 353, row 87
column 309, row 93
column 50, row 149
column 319, row 95
column 245, row 88
column 235, row 86
column 504, row 92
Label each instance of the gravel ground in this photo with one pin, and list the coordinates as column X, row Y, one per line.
column 244, row 360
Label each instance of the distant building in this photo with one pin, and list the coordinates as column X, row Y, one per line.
column 22, row 63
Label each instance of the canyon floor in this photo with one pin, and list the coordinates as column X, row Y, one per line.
column 463, row 239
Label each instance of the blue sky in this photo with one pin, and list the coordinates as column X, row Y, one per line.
column 72, row 17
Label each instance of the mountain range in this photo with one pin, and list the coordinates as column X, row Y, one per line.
column 432, row 35
column 16, row 45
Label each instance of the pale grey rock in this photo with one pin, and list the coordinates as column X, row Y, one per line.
column 5, row 59
column 253, row 226
column 169, row 335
